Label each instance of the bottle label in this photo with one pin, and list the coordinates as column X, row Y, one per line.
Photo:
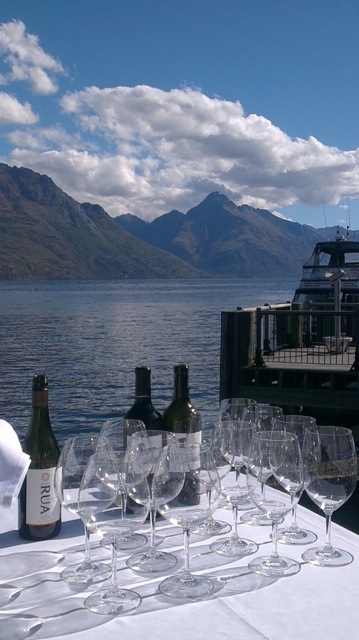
column 190, row 438
column 40, row 398
column 194, row 437
column 187, row 459
column 42, row 505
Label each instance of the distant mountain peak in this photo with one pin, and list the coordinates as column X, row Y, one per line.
column 217, row 197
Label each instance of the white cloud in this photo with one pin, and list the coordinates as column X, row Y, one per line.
column 43, row 138
column 146, row 151
column 13, row 112
column 281, row 216
column 27, row 60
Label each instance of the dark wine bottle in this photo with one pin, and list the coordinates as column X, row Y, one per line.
column 142, row 408
column 39, row 508
column 180, row 416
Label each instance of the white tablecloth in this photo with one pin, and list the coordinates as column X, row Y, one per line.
column 317, row 603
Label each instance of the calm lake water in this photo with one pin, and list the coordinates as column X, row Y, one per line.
column 88, row 337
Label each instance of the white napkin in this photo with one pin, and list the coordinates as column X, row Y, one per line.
column 13, row 465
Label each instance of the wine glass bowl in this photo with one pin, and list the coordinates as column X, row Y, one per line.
column 236, row 408
column 130, row 427
column 331, row 483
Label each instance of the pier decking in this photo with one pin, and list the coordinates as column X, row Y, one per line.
column 271, row 355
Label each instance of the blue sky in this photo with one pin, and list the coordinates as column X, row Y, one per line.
column 149, row 105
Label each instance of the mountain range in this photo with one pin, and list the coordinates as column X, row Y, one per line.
column 222, row 239
column 46, row 234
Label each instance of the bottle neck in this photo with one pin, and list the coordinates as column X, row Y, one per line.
column 181, row 385
column 143, row 384
column 40, row 418
column 40, row 399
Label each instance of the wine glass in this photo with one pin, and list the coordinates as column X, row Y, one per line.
column 119, row 434
column 130, row 427
column 235, row 440
column 264, row 416
column 128, row 479
column 331, row 484
column 70, row 469
column 236, row 408
column 236, row 460
column 147, row 448
column 181, row 483
column 275, row 455
column 210, row 445
column 305, row 427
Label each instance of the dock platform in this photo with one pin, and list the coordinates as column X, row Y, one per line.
column 264, row 356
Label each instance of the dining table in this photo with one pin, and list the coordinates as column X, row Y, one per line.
column 315, row 604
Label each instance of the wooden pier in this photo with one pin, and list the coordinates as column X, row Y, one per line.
column 272, row 355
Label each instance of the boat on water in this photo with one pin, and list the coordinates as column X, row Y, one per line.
column 330, row 281
column 331, row 271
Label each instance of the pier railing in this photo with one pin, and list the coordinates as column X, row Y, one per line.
column 286, row 334
column 303, row 361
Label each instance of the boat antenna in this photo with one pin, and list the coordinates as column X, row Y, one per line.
column 325, row 220
column 349, row 224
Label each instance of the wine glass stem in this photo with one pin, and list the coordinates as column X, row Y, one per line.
column 113, row 565
column 124, row 502
column 328, row 529
column 263, row 484
column 294, row 517
column 186, row 532
column 152, row 528
column 235, row 520
column 87, row 559
column 274, row 554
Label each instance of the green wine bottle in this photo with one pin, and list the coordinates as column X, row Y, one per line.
column 39, row 509
column 180, row 416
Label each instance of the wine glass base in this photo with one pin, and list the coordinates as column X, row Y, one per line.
column 125, row 543
column 186, row 586
column 212, row 528
column 265, row 566
column 152, row 562
column 243, row 503
column 81, row 574
column 113, row 601
column 256, row 519
column 286, row 535
column 323, row 558
column 234, row 547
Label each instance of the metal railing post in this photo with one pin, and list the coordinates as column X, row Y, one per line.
column 258, row 361
column 355, row 365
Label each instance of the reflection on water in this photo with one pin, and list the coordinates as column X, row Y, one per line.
column 89, row 336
